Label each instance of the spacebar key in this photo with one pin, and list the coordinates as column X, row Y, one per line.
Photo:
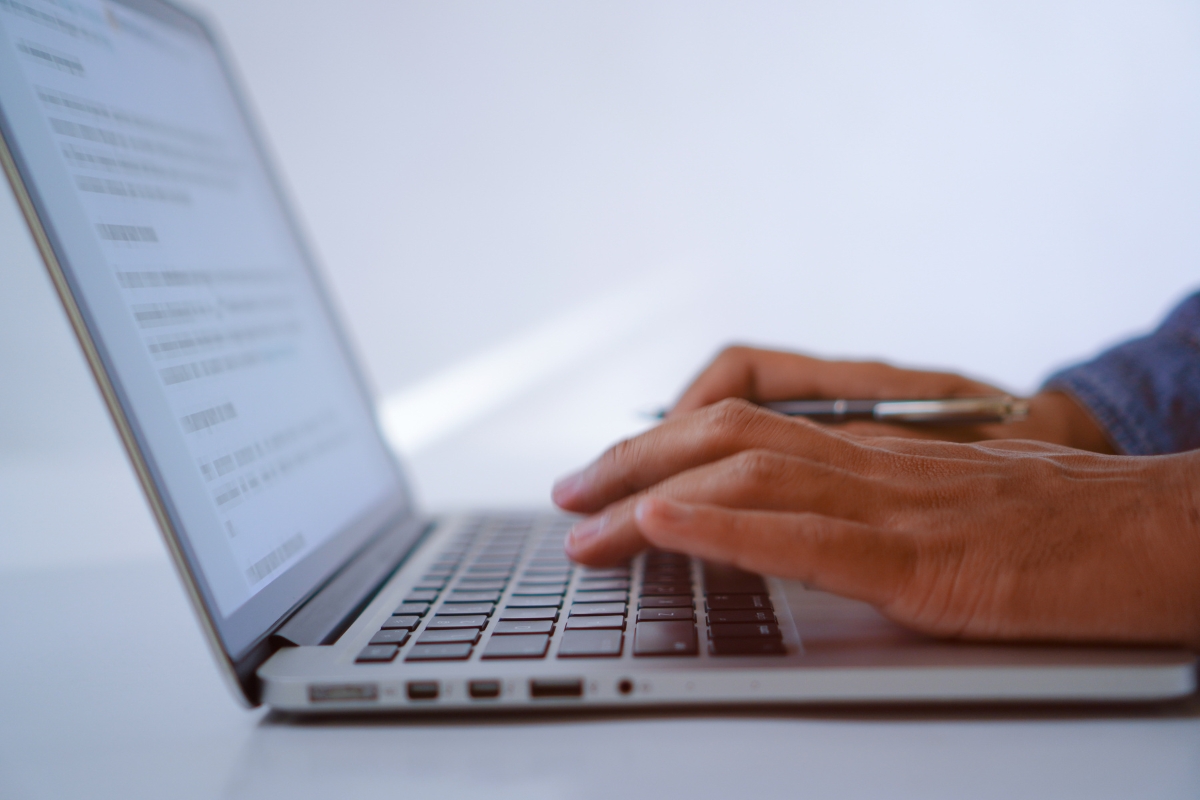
column 674, row 638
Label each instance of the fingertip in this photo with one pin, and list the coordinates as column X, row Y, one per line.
column 577, row 551
column 589, row 541
column 661, row 512
column 566, row 490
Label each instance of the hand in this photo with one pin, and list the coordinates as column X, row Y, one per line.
column 1003, row 540
column 764, row 375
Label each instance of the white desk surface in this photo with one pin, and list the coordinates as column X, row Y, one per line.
column 106, row 689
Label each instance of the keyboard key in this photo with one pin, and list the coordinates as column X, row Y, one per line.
column 666, row 574
column 609, row 572
column 724, row 579
column 467, row 608
column 547, row 573
column 439, row 652
column 396, row 636
column 422, row 596
column 661, row 614
column 529, row 613
column 747, row 615
column 723, row 602
column 509, row 627
column 431, row 583
column 651, row 564
column 594, row 609
column 480, row 586
column 664, row 639
column 668, row 580
column 546, row 563
column 552, row 549
column 535, row 602
column 591, row 644
column 746, row 647
column 470, row 635
column 670, row 601
column 601, row 597
column 417, row 609
column 526, row 589
column 472, row 597
column 488, row 573
column 407, row 622
column 604, row 585
column 377, row 653
column 659, row 589
column 466, row 621
column 554, row 579
column 590, row 623
column 748, row 630
column 525, row 646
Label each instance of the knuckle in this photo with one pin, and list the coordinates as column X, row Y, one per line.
column 755, row 467
column 733, row 353
column 727, row 420
column 732, row 412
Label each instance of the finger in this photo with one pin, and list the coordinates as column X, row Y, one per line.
column 764, row 375
column 702, row 437
column 834, row 555
column 756, row 479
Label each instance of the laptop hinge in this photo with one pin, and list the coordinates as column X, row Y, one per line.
column 332, row 610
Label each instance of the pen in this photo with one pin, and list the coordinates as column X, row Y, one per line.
column 943, row 411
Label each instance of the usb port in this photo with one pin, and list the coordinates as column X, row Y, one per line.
column 422, row 690
column 556, row 687
column 482, row 690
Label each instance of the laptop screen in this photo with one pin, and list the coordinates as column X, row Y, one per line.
column 195, row 287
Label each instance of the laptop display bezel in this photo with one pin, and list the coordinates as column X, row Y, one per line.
column 240, row 640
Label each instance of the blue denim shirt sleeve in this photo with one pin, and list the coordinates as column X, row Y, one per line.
column 1146, row 392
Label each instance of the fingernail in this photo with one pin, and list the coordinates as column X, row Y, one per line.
column 585, row 531
column 567, row 487
column 667, row 510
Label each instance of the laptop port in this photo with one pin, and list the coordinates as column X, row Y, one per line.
column 342, row 692
column 483, row 690
column 556, row 687
column 422, row 690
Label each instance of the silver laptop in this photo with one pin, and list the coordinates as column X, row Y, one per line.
column 319, row 584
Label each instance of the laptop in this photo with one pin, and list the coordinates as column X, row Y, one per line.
column 318, row 582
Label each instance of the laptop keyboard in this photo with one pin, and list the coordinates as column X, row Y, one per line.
column 503, row 587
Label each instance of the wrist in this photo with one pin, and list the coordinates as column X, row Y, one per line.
column 1058, row 418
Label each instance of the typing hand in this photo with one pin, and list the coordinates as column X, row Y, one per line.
column 1001, row 540
column 764, row 375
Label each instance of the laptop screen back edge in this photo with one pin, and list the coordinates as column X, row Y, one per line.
column 196, row 302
